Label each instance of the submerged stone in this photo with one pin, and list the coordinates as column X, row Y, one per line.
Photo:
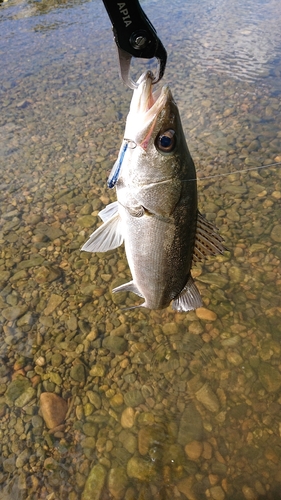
column 117, row 482
column 141, row 469
column 16, row 389
column 118, row 345
column 53, row 409
column 191, row 426
column 94, row 484
column 270, row 377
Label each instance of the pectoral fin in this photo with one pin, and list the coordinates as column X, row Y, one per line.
column 107, row 237
column 188, row 299
column 108, row 212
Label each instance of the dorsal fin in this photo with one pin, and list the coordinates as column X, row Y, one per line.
column 207, row 240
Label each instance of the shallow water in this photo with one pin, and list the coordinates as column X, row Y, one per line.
column 161, row 405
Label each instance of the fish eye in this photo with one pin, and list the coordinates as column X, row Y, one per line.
column 166, row 141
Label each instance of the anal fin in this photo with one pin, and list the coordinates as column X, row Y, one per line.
column 189, row 298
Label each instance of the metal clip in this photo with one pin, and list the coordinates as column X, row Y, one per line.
column 135, row 37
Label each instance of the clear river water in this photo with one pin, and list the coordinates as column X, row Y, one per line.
column 97, row 402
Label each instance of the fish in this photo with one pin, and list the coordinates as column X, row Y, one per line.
column 156, row 213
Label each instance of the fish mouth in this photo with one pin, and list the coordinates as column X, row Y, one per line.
column 146, row 105
column 145, row 100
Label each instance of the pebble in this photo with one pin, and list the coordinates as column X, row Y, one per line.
column 276, row 233
column 141, row 469
column 205, row 314
column 94, row 483
column 133, row 398
column 78, row 373
column 95, row 399
column 129, row 441
column 25, row 397
column 97, row 370
column 117, row 345
column 234, row 358
column 23, row 458
column 190, row 426
column 53, row 302
column 185, row 486
column 53, row 409
column 249, row 493
column 16, row 389
column 217, row 493
column 188, row 403
column 193, row 450
column 208, row 398
column 117, row 482
column 12, row 313
column 269, row 377
column 128, row 418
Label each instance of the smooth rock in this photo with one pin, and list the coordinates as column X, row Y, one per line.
column 53, row 409
column 133, row 398
column 53, row 303
column 86, row 221
column 217, row 493
column 47, row 274
column 90, row 429
column 117, row 482
column 191, row 426
column 147, row 437
column 25, row 397
column 19, row 275
column 76, row 111
column 15, row 389
column 208, row 398
column 117, row 345
column 78, row 373
column 14, row 312
column 94, row 398
column 23, row 458
column 194, row 450
column 170, row 328
column 236, row 274
column 97, row 370
column 143, row 470
column 128, row 418
column 9, row 464
column 56, row 359
column 128, row 440
column 34, row 261
column 248, row 493
column 270, row 377
column 276, row 233
column 89, row 442
column 205, row 314
column 95, row 483
column 213, row 279
column 234, row 358
column 117, row 400
column 185, row 486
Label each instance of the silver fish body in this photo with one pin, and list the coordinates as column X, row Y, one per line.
column 156, row 212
